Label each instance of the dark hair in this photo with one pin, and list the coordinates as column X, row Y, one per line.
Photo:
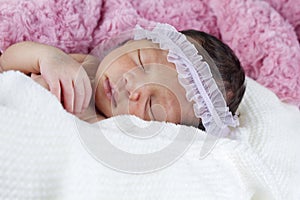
column 228, row 65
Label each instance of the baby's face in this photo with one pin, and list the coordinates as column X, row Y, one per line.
column 137, row 79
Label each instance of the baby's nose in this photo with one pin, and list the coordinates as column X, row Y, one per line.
column 134, row 96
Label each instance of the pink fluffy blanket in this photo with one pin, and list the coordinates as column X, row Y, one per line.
column 264, row 34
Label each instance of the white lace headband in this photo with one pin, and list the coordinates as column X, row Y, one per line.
column 195, row 76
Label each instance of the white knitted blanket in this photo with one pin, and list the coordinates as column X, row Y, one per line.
column 43, row 156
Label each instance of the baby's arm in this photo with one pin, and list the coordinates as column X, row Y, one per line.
column 65, row 77
column 25, row 57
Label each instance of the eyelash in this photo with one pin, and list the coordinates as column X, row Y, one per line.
column 151, row 112
column 139, row 56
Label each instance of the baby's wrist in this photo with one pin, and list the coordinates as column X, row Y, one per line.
column 49, row 54
column 47, row 51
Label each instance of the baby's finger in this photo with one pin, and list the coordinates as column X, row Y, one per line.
column 88, row 93
column 55, row 88
column 79, row 96
column 68, row 94
column 54, row 85
column 40, row 80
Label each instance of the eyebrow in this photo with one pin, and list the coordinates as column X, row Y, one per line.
column 139, row 58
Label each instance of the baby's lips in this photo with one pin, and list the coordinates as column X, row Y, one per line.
column 109, row 91
column 107, row 88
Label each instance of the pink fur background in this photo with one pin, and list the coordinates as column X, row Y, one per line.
column 263, row 33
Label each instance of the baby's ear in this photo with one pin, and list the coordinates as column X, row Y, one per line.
column 229, row 96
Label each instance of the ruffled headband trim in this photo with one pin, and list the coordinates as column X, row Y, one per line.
column 195, row 76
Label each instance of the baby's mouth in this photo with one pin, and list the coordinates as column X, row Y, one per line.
column 109, row 91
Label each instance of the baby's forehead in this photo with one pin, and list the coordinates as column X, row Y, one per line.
column 141, row 44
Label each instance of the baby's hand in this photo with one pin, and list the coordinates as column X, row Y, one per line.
column 66, row 79
column 39, row 79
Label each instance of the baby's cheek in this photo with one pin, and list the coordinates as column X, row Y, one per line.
column 40, row 80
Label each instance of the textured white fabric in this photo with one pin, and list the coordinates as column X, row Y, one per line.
column 195, row 76
column 42, row 157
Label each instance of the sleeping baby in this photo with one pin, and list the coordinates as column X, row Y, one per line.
column 160, row 74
